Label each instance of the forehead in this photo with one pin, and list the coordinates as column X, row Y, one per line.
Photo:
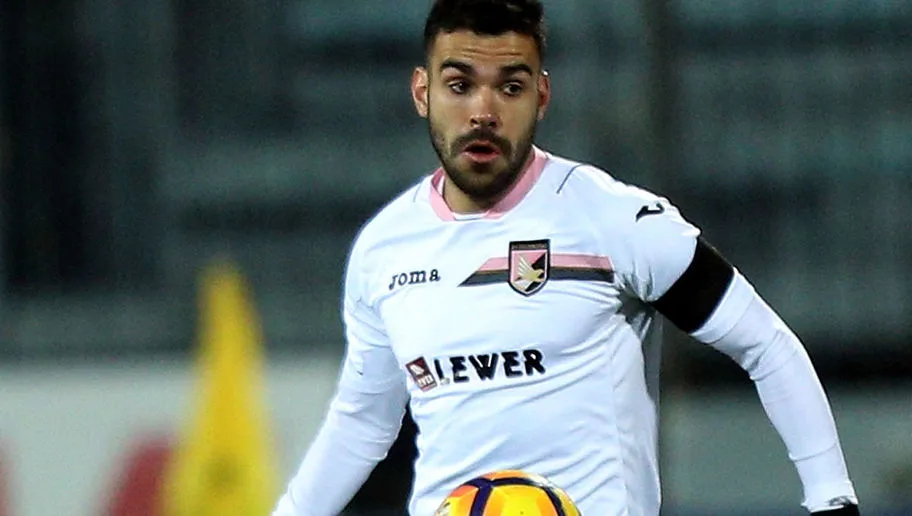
column 482, row 50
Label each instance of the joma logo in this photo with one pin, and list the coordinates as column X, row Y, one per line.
column 413, row 278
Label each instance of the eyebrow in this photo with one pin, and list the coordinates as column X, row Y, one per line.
column 469, row 70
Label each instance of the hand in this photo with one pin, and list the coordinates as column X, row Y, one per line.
column 845, row 510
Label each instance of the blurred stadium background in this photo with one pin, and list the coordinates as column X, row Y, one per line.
column 141, row 140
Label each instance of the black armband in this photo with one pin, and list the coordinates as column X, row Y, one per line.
column 696, row 294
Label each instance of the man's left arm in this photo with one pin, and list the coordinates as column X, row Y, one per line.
column 665, row 262
column 716, row 305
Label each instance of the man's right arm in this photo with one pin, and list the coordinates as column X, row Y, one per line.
column 358, row 431
column 362, row 422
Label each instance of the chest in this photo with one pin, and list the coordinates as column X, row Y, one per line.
column 494, row 301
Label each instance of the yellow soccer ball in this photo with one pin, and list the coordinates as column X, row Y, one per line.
column 508, row 493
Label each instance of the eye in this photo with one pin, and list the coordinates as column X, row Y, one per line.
column 513, row 89
column 458, row 86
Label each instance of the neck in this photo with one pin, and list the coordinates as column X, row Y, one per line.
column 463, row 203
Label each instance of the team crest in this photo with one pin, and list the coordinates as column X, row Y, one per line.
column 529, row 265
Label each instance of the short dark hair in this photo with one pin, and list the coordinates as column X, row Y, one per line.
column 487, row 17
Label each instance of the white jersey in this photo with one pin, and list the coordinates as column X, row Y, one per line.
column 525, row 333
column 523, row 338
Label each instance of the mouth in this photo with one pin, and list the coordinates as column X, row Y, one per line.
column 482, row 151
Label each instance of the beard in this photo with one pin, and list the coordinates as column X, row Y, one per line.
column 486, row 183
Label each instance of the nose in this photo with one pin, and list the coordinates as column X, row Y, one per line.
column 484, row 120
column 484, row 115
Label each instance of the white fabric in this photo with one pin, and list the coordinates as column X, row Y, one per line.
column 363, row 420
column 562, row 382
column 745, row 328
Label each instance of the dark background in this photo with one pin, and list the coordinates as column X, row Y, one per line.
column 140, row 139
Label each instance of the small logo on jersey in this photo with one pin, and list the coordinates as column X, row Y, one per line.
column 530, row 265
column 422, row 375
column 414, row 278
column 655, row 208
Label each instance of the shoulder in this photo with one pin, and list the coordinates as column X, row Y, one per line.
column 373, row 236
column 600, row 193
column 401, row 220
column 389, row 218
column 644, row 232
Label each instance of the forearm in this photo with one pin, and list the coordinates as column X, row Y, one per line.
column 356, row 435
column 796, row 404
column 794, row 400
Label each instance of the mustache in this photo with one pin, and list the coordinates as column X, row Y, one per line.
column 481, row 134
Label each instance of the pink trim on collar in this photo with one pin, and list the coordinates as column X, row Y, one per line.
column 518, row 191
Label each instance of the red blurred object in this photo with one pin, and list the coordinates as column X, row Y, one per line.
column 4, row 498
column 138, row 490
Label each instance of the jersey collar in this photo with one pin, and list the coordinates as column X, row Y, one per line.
column 518, row 191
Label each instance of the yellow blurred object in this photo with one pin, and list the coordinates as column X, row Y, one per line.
column 224, row 464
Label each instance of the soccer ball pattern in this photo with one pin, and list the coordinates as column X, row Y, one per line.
column 508, row 493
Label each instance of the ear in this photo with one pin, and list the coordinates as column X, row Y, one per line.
column 544, row 93
column 420, row 91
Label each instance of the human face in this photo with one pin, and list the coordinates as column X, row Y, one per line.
column 483, row 97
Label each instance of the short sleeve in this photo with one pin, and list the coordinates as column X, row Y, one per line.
column 658, row 246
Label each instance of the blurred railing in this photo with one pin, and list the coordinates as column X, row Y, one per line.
column 169, row 133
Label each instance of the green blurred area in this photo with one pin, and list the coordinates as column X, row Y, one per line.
column 141, row 139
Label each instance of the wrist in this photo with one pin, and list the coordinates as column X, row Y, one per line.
column 848, row 509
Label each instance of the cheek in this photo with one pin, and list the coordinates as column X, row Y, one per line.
column 518, row 119
column 445, row 107
column 444, row 118
column 438, row 127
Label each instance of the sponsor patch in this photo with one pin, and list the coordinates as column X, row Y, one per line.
column 421, row 374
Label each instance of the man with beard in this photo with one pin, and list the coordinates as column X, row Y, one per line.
column 512, row 300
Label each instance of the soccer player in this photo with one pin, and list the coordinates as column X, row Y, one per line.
column 512, row 299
